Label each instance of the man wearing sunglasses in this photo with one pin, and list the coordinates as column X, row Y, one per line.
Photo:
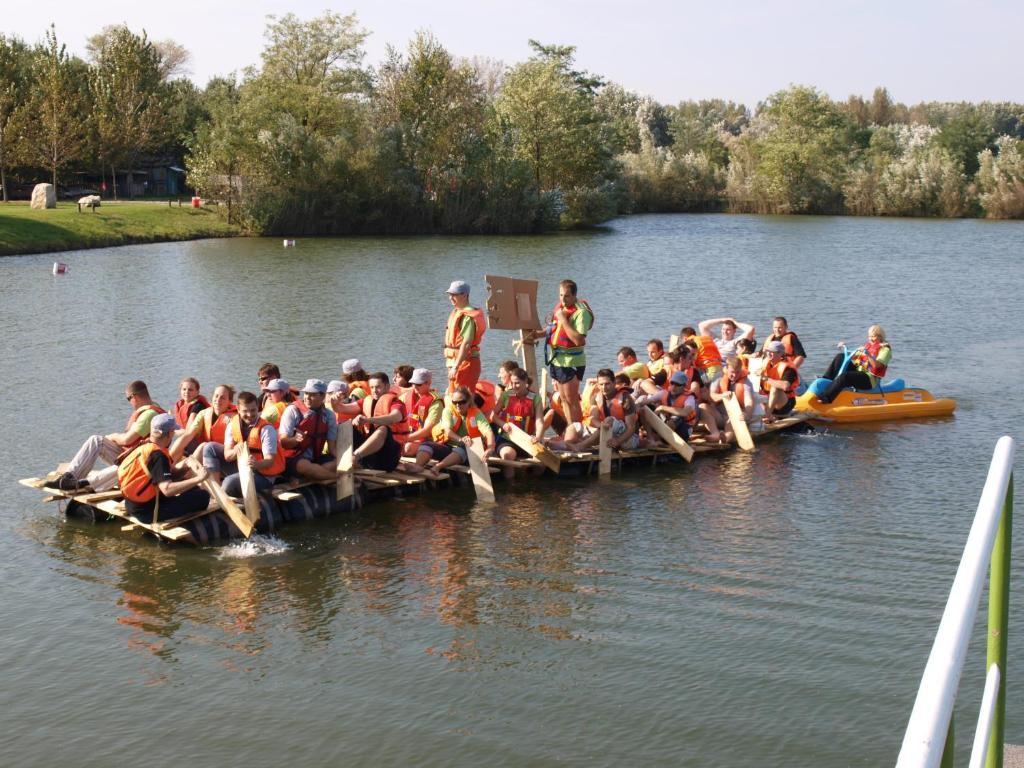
column 80, row 475
column 461, row 422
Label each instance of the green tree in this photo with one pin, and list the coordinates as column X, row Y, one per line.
column 1000, row 179
column 217, row 150
column 965, row 135
column 14, row 87
column 129, row 100
column 52, row 124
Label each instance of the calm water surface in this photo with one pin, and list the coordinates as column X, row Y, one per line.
column 765, row 609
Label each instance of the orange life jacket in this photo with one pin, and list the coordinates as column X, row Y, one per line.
column 708, row 354
column 453, row 333
column 863, row 363
column 787, row 342
column 213, row 431
column 723, row 385
column 559, row 338
column 182, row 409
column 135, row 417
column 133, row 473
column 614, row 408
column 488, row 391
column 363, row 385
column 679, row 401
column 471, row 428
column 255, row 444
column 776, row 372
column 382, row 406
column 520, row 411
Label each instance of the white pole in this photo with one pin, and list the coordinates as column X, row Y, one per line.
column 988, row 707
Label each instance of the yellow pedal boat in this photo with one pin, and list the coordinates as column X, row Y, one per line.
column 878, row 405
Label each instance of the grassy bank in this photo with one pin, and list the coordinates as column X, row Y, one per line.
column 23, row 230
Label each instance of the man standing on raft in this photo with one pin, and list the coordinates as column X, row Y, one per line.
column 462, row 337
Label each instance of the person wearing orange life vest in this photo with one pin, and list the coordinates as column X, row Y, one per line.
column 867, row 366
column 565, row 347
column 680, row 409
column 153, row 487
column 779, row 381
column 373, row 437
column 521, row 407
column 209, row 427
column 461, row 422
column 793, row 349
column 613, row 407
column 308, row 438
column 80, row 474
column 462, row 337
column 733, row 383
column 423, row 407
column 266, row 458
column 708, row 359
column 278, row 397
column 267, row 373
column 352, row 373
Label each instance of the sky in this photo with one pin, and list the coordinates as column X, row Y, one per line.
column 942, row 50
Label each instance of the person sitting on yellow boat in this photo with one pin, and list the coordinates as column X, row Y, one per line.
column 154, row 489
column 866, row 369
column 779, row 381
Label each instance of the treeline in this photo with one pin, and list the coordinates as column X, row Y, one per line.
column 315, row 141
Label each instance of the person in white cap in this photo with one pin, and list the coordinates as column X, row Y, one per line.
column 462, row 337
column 352, row 373
column 779, row 381
column 424, row 406
column 278, row 397
column 153, row 488
column 308, row 439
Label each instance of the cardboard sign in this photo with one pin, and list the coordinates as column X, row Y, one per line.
column 512, row 304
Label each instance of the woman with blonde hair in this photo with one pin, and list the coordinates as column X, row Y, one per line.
column 866, row 368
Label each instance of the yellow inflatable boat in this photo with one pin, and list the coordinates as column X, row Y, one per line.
column 889, row 402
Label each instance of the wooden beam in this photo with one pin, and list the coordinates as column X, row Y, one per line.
column 654, row 423
column 738, row 422
column 604, row 452
column 343, row 453
column 537, row 450
column 249, row 497
column 481, row 472
column 528, row 354
column 212, row 487
column 673, row 342
column 545, row 385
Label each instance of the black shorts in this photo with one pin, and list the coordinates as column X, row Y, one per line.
column 565, row 375
column 502, row 440
column 786, row 408
column 291, row 462
column 384, row 460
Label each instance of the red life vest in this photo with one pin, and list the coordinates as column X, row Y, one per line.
column 559, row 338
column 133, row 473
column 314, row 428
column 708, row 354
column 520, row 411
column 255, row 443
column 383, row 406
column 183, row 409
column 863, row 363
column 453, row 333
column 776, row 372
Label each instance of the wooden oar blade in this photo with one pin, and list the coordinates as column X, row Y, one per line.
column 538, row 451
column 480, row 472
column 738, row 423
column 212, row 487
column 604, row 452
column 343, row 452
column 249, row 498
column 666, row 433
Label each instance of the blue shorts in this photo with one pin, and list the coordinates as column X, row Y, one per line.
column 565, row 375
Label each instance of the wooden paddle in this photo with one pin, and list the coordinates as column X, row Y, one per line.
column 544, row 385
column 480, row 471
column 249, row 497
column 343, row 453
column 673, row 342
column 604, row 452
column 654, row 423
column 738, row 422
column 537, row 450
column 226, row 503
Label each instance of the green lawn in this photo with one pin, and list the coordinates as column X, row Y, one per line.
column 23, row 230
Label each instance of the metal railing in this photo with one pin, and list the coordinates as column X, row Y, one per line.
column 929, row 739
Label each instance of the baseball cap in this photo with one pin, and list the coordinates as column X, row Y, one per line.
column 337, row 386
column 315, row 386
column 775, row 346
column 458, row 286
column 351, row 366
column 163, row 423
column 678, row 378
column 277, row 385
column 420, row 376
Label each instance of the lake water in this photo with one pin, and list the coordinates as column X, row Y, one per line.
column 766, row 609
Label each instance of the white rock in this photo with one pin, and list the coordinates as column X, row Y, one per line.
column 44, row 196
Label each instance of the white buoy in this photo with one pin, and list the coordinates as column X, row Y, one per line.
column 289, row 243
column 59, row 268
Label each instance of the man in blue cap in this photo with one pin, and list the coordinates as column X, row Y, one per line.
column 462, row 337
column 307, row 439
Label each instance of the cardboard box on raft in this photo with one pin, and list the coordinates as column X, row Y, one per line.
column 512, row 304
